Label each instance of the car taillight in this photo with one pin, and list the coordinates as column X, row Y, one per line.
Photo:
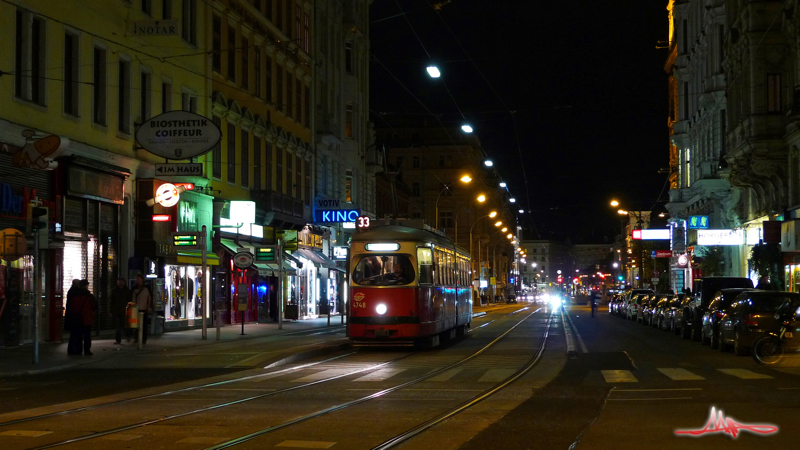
column 719, row 314
column 751, row 321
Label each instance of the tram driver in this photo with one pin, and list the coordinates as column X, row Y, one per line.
column 398, row 274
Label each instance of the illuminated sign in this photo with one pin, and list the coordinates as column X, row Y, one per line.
column 651, row 235
column 161, row 218
column 698, row 222
column 720, row 237
column 382, row 247
column 362, row 222
column 335, row 215
column 178, row 135
column 242, row 213
column 167, row 195
column 265, row 254
column 186, row 240
column 661, row 253
column 339, row 252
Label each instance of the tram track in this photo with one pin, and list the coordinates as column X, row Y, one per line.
column 164, row 418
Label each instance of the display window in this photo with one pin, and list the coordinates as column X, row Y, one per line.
column 184, row 292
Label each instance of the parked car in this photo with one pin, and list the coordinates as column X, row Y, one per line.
column 631, row 296
column 634, row 305
column 702, row 293
column 658, row 310
column 670, row 321
column 716, row 311
column 751, row 315
column 648, row 306
column 614, row 304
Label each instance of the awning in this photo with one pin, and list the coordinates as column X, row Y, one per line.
column 316, row 258
column 195, row 258
column 231, row 246
column 271, row 269
column 266, row 268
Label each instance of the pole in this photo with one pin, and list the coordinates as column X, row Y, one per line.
column 140, row 331
column 204, row 298
column 242, row 322
column 280, row 285
column 37, row 293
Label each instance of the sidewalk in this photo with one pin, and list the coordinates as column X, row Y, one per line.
column 15, row 361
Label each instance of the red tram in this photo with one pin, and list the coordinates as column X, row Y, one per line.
column 408, row 286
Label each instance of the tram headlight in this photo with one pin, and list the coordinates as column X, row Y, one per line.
column 380, row 309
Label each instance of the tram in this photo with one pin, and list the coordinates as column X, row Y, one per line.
column 409, row 286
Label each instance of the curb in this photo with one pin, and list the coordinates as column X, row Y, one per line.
column 479, row 314
column 571, row 352
column 311, row 353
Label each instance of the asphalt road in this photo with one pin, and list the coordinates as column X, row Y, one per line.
column 628, row 386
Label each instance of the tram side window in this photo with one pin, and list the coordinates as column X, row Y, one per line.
column 425, row 263
column 384, row 270
column 438, row 276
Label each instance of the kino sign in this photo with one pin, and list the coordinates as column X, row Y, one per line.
column 335, row 215
column 178, row 135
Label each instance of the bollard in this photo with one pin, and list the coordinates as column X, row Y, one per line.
column 140, row 331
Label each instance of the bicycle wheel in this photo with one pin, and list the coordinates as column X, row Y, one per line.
column 768, row 350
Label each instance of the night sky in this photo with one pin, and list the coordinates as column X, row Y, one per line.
column 584, row 77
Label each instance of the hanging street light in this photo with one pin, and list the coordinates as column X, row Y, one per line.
column 466, row 128
column 488, row 163
column 433, row 72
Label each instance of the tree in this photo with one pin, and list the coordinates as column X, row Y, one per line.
column 713, row 263
column 766, row 261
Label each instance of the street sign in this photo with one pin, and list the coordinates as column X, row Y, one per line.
column 493, row 281
column 241, row 298
column 265, row 254
column 186, row 240
column 243, row 259
column 661, row 253
column 183, row 169
column 698, row 222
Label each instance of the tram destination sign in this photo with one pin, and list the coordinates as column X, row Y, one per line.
column 178, row 135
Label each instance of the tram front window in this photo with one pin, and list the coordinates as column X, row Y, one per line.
column 384, row 270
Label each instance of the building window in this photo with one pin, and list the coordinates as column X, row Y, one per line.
column 685, row 101
column 415, row 190
column 307, row 34
column 289, row 174
column 723, row 131
column 279, row 88
column 445, row 219
column 257, row 5
column 256, row 162
column 348, row 121
column 231, row 53
column 307, row 108
column 189, row 21
column 268, row 79
column 774, row 92
column 147, row 7
column 216, row 153
column 166, row 9
column 307, row 170
column 124, row 97
column 289, row 97
column 688, row 168
column 297, row 30
column 257, row 72
column 245, row 64
column 244, row 161
column 348, row 57
column 399, row 162
column 268, row 9
column 298, row 99
column 268, row 166
column 30, row 58
column 231, row 153
column 145, row 107
column 71, row 75
column 348, row 186
column 288, row 18
column 441, row 160
column 279, row 169
column 279, row 15
column 166, row 96
column 216, row 43
column 415, row 162
column 685, row 36
column 189, row 102
column 99, row 86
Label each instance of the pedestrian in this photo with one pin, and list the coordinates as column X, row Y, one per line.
column 82, row 307
column 69, row 320
column 120, row 296
column 765, row 284
column 144, row 300
column 593, row 297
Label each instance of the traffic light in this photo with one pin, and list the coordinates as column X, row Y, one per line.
column 186, row 240
column 619, row 277
column 265, row 254
column 37, row 220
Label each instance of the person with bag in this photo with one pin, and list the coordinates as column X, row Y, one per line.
column 144, row 301
column 82, row 307
column 120, row 296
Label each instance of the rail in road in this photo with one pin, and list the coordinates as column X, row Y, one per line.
column 348, row 364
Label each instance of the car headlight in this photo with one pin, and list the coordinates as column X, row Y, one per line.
column 380, row 309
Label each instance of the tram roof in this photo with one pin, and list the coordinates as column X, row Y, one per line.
column 401, row 233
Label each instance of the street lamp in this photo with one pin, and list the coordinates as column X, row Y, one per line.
column 502, row 184
column 512, row 200
column 498, row 223
column 433, row 72
column 488, row 163
column 466, row 128
column 470, row 238
column 493, row 214
column 481, row 198
column 509, row 235
column 464, row 179
column 504, row 230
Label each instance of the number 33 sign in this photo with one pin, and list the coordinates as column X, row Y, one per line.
column 362, row 222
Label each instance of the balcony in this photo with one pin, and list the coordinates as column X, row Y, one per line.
column 280, row 210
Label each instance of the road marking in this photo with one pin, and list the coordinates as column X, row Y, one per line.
column 680, row 374
column 495, row 375
column 202, row 440
column 657, row 390
column 426, row 390
column 380, row 375
column 745, row 374
column 618, row 376
column 642, row 399
column 322, row 375
column 306, row 444
column 25, row 433
column 234, row 389
column 446, row 375
column 121, row 437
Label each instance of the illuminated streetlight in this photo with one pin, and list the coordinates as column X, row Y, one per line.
column 534, row 265
column 502, row 184
column 504, row 229
column 509, row 235
column 521, row 211
column 498, row 223
column 558, row 272
column 493, row 214
column 622, row 212
column 433, row 72
column 481, row 198
column 614, row 203
column 466, row 128
column 466, row 178
column 615, row 265
column 512, row 200
column 488, row 163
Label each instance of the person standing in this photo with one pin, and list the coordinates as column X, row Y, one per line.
column 69, row 320
column 144, row 300
column 82, row 308
column 120, row 296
